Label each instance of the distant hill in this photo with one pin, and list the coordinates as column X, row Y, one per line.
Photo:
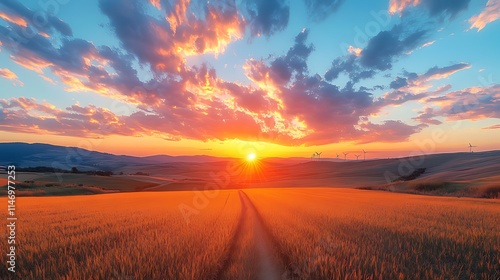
column 462, row 174
column 32, row 155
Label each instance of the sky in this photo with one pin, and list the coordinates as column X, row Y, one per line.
column 271, row 77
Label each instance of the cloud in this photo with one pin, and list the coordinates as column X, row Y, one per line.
column 164, row 44
column 473, row 103
column 398, row 83
column 285, row 103
column 495, row 126
column 438, row 73
column 267, row 16
column 488, row 15
column 13, row 19
column 7, row 74
column 445, row 7
column 434, row 7
column 27, row 115
column 388, row 131
column 379, row 54
column 397, row 6
column 415, row 83
column 413, row 87
column 295, row 61
column 20, row 15
column 387, row 45
column 320, row 9
column 315, row 111
column 427, row 116
column 355, row 51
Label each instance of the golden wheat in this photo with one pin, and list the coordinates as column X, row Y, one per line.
column 354, row 234
column 122, row 236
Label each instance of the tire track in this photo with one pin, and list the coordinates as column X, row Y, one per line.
column 253, row 253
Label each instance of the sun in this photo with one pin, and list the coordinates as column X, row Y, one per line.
column 251, row 157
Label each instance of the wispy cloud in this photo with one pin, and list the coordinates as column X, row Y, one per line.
column 495, row 126
column 7, row 74
column 490, row 13
column 435, row 8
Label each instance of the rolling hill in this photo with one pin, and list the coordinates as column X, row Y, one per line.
column 462, row 174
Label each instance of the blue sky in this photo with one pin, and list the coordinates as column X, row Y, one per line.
column 184, row 75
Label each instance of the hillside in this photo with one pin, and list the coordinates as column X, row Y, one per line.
column 462, row 174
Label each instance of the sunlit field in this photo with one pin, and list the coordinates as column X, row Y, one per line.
column 314, row 233
column 352, row 234
column 122, row 236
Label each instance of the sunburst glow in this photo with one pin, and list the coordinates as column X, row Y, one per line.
column 251, row 157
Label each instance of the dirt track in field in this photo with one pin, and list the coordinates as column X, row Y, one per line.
column 252, row 254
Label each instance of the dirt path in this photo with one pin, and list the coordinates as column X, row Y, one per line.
column 252, row 254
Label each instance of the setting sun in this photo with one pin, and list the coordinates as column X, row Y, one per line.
column 251, row 157
column 197, row 139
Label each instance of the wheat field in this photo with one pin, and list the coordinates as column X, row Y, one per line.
column 122, row 236
column 315, row 233
column 353, row 234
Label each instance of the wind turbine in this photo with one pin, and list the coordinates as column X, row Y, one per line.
column 345, row 155
column 364, row 154
column 357, row 156
column 337, row 156
column 470, row 148
column 313, row 156
column 319, row 155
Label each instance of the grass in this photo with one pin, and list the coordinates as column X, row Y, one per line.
column 115, row 183
column 324, row 234
column 354, row 234
column 127, row 236
column 473, row 189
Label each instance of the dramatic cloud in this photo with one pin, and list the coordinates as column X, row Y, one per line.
column 413, row 86
column 321, row 112
column 379, row 54
column 267, row 16
column 385, row 46
column 164, row 44
column 17, row 13
column 27, row 115
column 489, row 14
column 285, row 105
column 173, row 93
column 474, row 103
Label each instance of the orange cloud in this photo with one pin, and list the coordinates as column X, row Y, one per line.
column 178, row 14
column 156, row 4
column 13, row 19
column 32, row 63
column 489, row 14
column 355, row 51
column 6, row 73
column 211, row 35
column 473, row 103
column 397, row 6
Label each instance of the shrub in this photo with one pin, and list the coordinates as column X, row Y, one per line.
column 491, row 192
column 430, row 186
